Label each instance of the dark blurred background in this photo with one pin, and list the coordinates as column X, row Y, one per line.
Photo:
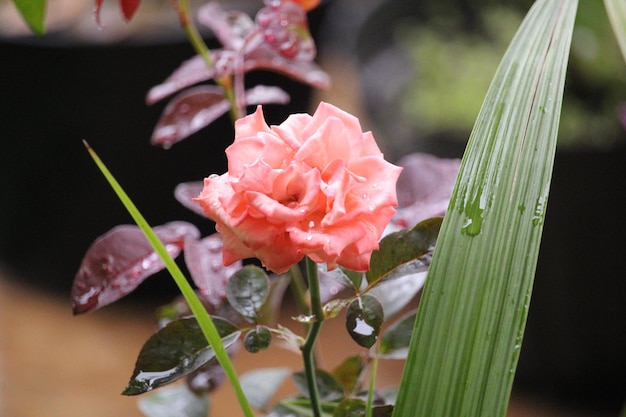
column 422, row 70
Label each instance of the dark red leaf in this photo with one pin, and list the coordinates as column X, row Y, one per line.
column 186, row 191
column 230, row 27
column 121, row 259
column 424, row 188
column 204, row 261
column 191, row 72
column 129, row 7
column 189, row 112
column 264, row 57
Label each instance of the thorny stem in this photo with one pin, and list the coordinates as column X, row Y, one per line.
column 198, row 44
column 308, row 349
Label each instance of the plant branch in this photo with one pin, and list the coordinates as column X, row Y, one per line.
column 198, row 44
column 308, row 349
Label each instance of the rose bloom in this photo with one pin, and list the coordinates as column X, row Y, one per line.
column 314, row 185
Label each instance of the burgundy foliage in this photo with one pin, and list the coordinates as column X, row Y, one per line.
column 424, row 188
column 278, row 40
column 204, row 261
column 129, row 7
column 121, row 259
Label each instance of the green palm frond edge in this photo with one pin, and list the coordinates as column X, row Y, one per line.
column 473, row 311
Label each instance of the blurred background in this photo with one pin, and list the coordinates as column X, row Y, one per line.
column 416, row 74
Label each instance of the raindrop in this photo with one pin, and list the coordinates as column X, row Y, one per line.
column 311, row 224
column 213, row 176
column 363, row 328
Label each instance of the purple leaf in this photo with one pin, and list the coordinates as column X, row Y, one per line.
column 193, row 71
column 189, row 112
column 204, row 261
column 263, row 57
column 230, row 27
column 424, row 188
column 262, row 94
column 121, row 259
column 186, row 191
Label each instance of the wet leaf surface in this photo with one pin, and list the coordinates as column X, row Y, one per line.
column 176, row 400
column 410, row 249
column 257, row 339
column 363, row 320
column 175, row 351
column 396, row 293
column 185, row 192
column 247, row 291
column 394, row 342
column 204, row 262
column 121, row 259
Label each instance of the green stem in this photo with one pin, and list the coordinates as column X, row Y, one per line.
column 202, row 49
column 371, row 390
column 204, row 320
column 298, row 289
column 308, row 349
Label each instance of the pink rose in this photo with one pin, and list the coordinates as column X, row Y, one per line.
column 314, row 185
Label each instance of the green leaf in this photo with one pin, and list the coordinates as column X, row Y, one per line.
column 176, row 400
column 257, row 339
column 404, row 249
column 302, row 408
column 260, row 385
column 471, row 318
column 350, row 407
column 395, row 340
column 247, row 290
column 34, row 13
column 348, row 373
column 616, row 9
column 329, row 387
column 363, row 320
column 175, row 351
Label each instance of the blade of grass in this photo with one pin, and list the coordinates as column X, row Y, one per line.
column 473, row 310
column 34, row 14
column 616, row 9
column 204, row 320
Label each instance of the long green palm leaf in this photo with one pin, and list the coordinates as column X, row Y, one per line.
column 470, row 323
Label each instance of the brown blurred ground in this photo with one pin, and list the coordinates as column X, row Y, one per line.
column 56, row 365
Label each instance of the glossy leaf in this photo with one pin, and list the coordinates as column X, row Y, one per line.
column 382, row 411
column 209, row 376
column 175, row 400
column 350, row 407
column 260, row 385
column 394, row 343
column 329, row 388
column 405, row 249
column 185, row 192
column 473, row 310
column 363, row 320
column 270, row 310
column 200, row 106
column 348, row 373
column 175, row 351
column 121, row 259
column 34, row 13
column 395, row 294
column 247, row 291
column 333, row 283
column 424, row 187
column 204, row 262
column 189, row 112
column 230, row 27
column 257, row 339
